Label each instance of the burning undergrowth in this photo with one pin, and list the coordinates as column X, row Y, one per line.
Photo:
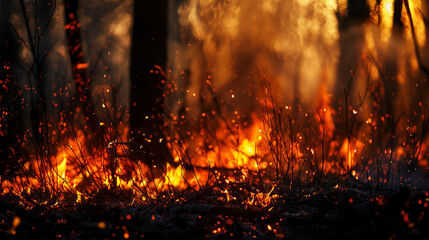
column 256, row 141
column 278, row 151
column 279, row 173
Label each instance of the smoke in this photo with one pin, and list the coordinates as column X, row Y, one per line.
column 244, row 45
column 307, row 51
column 106, row 26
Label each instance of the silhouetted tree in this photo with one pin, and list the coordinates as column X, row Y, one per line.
column 148, row 61
column 10, row 97
column 352, row 39
column 79, row 65
column 351, row 42
column 393, row 54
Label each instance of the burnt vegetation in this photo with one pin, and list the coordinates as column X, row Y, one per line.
column 354, row 166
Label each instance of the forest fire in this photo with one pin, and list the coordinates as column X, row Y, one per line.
column 264, row 115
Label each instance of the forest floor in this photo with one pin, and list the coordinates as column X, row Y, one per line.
column 340, row 214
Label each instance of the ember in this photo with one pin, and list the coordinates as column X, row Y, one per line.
column 245, row 119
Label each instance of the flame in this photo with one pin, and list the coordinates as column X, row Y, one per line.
column 350, row 150
column 82, row 65
column 62, row 167
column 231, row 126
column 174, row 176
column 79, row 197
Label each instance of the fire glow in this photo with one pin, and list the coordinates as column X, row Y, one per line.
column 286, row 140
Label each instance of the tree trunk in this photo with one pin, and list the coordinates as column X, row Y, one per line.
column 352, row 38
column 351, row 41
column 393, row 53
column 79, row 66
column 10, row 97
column 148, row 61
